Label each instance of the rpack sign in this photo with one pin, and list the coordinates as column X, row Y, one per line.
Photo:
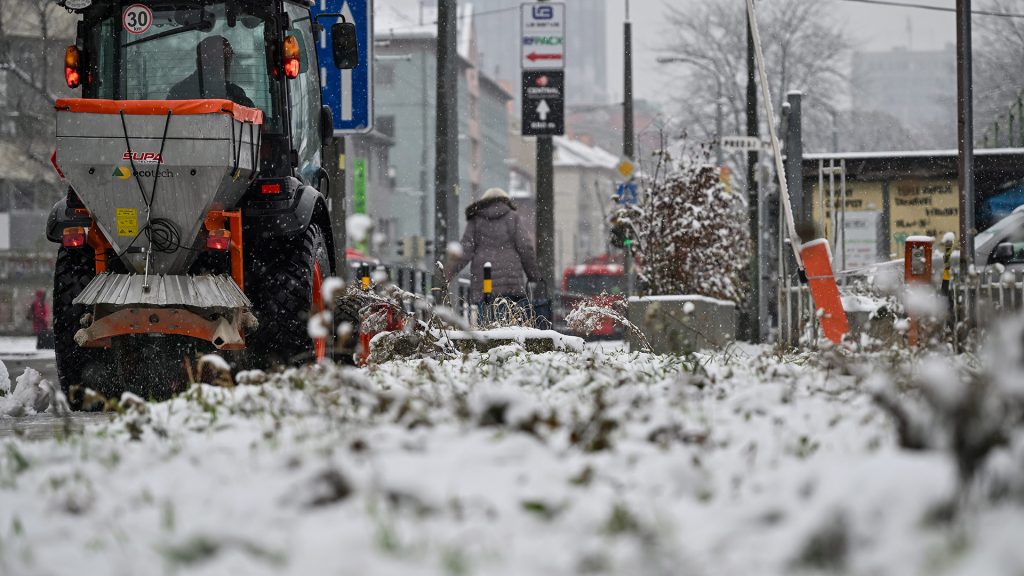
column 543, row 36
column 543, row 103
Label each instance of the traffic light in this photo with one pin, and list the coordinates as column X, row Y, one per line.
column 620, row 233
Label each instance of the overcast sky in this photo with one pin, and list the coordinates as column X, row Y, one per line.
column 874, row 28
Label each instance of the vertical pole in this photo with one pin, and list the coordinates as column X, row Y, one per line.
column 545, row 235
column 336, row 168
column 628, row 268
column 628, row 139
column 627, row 82
column 833, row 216
column 1020, row 118
column 719, row 157
column 752, row 191
column 821, row 195
column 842, row 213
column 965, row 129
column 835, row 132
column 424, row 147
column 795, row 156
column 446, row 160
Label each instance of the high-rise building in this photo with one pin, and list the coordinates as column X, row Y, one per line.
column 918, row 88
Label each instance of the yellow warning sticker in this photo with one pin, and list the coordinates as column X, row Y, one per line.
column 127, row 222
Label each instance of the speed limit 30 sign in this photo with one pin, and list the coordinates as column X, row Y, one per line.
column 137, row 18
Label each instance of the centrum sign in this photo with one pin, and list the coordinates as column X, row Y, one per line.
column 543, row 32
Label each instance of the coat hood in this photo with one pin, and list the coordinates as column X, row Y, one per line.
column 490, row 208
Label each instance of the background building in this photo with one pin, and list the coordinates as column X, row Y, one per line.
column 917, row 88
column 585, row 179
column 33, row 35
column 404, row 102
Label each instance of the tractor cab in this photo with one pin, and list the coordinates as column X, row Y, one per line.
column 196, row 218
column 257, row 54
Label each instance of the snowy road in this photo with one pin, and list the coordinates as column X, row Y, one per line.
column 502, row 463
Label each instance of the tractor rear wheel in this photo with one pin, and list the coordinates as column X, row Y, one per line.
column 152, row 367
column 77, row 368
column 284, row 284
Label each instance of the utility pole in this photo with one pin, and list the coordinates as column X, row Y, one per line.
column 965, row 129
column 546, row 215
column 627, row 131
column 335, row 166
column 627, row 83
column 753, row 332
column 719, row 103
column 446, row 157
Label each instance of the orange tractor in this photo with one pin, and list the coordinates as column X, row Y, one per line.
column 195, row 219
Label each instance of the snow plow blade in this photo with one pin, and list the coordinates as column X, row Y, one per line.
column 207, row 308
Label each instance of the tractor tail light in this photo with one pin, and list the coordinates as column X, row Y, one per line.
column 219, row 239
column 74, row 237
column 274, row 188
column 291, row 57
column 72, row 62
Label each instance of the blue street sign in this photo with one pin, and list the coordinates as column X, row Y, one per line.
column 349, row 93
column 626, row 192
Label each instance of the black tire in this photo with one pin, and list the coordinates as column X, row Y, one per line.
column 77, row 367
column 279, row 283
column 152, row 367
column 347, row 311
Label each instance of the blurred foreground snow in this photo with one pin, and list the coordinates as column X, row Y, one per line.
column 599, row 461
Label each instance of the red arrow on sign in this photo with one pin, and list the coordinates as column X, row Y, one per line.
column 533, row 56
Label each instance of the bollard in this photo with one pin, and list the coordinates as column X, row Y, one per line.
column 917, row 269
column 364, row 276
column 488, row 284
column 488, row 300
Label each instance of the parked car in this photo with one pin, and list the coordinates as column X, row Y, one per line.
column 598, row 282
column 1003, row 243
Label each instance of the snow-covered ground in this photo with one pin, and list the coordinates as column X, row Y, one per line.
column 602, row 461
column 21, row 346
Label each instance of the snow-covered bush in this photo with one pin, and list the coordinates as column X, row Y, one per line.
column 971, row 408
column 690, row 231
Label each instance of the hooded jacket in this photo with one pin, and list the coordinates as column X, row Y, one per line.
column 495, row 233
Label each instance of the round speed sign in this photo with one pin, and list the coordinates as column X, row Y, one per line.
column 137, row 18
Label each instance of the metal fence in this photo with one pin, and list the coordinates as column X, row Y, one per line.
column 976, row 303
column 986, row 297
column 420, row 282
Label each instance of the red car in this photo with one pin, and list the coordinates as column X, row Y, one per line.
column 600, row 282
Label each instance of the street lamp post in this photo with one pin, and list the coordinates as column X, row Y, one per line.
column 719, row 100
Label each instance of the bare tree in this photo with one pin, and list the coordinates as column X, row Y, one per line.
column 805, row 47
column 999, row 73
column 32, row 36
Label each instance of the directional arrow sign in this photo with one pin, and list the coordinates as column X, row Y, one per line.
column 349, row 93
column 543, row 31
column 533, row 56
column 543, row 99
column 543, row 109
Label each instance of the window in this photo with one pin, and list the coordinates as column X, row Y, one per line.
column 386, row 125
column 305, row 97
column 187, row 53
column 385, row 74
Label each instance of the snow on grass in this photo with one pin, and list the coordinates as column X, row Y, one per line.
column 501, row 463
